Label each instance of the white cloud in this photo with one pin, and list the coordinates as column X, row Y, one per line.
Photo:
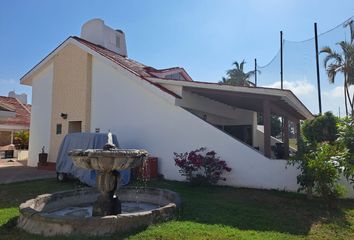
column 333, row 100
column 7, row 81
column 337, row 92
column 297, row 87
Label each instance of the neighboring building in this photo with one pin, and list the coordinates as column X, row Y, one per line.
column 15, row 116
column 88, row 84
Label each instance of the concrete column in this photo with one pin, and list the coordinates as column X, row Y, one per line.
column 254, row 130
column 266, row 122
column 12, row 136
column 286, row 137
column 298, row 132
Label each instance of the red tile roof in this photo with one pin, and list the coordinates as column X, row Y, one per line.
column 23, row 112
column 138, row 68
column 135, row 67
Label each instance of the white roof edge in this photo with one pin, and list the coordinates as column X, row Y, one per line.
column 44, row 61
column 88, row 50
column 13, row 126
column 7, row 114
column 287, row 95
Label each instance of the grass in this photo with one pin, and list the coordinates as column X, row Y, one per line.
column 293, row 143
column 210, row 213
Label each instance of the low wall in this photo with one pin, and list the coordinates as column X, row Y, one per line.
column 22, row 155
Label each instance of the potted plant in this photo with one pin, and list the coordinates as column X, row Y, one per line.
column 43, row 157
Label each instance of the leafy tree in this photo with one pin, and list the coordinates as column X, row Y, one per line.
column 325, row 152
column 275, row 124
column 237, row 76
column 342, row 62
column 325, row 165
column 346, row 140
column 322, row 128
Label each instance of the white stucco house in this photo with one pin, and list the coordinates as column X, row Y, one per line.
column 89, row 84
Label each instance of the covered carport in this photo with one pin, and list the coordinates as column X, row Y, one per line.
column 267, row 101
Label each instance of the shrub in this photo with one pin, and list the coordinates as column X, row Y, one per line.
column 201, row 166
column 21, row 139
column 346, row 140
column 321, row 129
column 323, row 157
column 326, row 165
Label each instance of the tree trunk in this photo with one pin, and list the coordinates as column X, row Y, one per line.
column 345, row 94
column 309, row 192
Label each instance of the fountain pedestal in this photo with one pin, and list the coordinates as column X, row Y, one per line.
column 107, row 203
column 107, row 162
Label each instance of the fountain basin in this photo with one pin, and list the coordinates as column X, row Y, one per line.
column 40, row 215
column 108, row 160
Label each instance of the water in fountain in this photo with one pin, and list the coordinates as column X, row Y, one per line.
column 86, row 211
column 108, row 162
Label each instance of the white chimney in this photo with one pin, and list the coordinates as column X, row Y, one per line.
column 21, row 97
column 97, row 32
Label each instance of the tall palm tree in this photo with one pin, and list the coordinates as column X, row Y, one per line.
column 342, row 62
column 237, row 76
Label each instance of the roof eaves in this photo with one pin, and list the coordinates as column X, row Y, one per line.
column 45, row 59
column 125, row 67
column 279, row 92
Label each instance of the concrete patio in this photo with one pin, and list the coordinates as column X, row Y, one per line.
column 17, row 171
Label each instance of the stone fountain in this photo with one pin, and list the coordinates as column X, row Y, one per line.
column 109, row 210
column 105, row 161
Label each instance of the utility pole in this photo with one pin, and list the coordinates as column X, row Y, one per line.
column 318, row 71
column 281, row 59
column 255, row 72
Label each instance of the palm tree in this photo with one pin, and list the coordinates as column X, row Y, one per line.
column 237, row 76
column 343, row 62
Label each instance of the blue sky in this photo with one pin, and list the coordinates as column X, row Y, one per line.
column 204, row 37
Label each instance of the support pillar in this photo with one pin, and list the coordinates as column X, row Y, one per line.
column 298, row 133
column 266, row 122
column 286, row 137
column 12, row 136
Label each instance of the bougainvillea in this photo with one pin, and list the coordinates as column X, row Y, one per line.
column 201, row 166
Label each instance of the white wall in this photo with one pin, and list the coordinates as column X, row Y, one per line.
column 40, row 114
column 141, row 119
column 217, row 113
column 97, row 32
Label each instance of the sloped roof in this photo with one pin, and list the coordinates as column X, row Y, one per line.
column 156, row 76
column 139, row 68
column 23, row 112
column 135, row 66
column 245, row 97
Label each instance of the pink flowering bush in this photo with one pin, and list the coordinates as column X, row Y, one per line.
column 201, row 166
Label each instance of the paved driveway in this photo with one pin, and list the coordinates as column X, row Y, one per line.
column 17, row 171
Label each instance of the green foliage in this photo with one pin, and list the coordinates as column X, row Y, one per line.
column 201, row 166
column 322, row 128
column 237, row 76
column 325, row 165
column 21, row 139
column 342, row 62
column 275, row 124
column 346, row 140
column 325, row 152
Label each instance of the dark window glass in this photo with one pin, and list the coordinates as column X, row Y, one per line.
column 58, row 128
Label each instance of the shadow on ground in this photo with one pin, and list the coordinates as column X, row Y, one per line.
column 245, row 209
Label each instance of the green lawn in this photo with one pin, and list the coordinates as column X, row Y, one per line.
column 210, row 213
